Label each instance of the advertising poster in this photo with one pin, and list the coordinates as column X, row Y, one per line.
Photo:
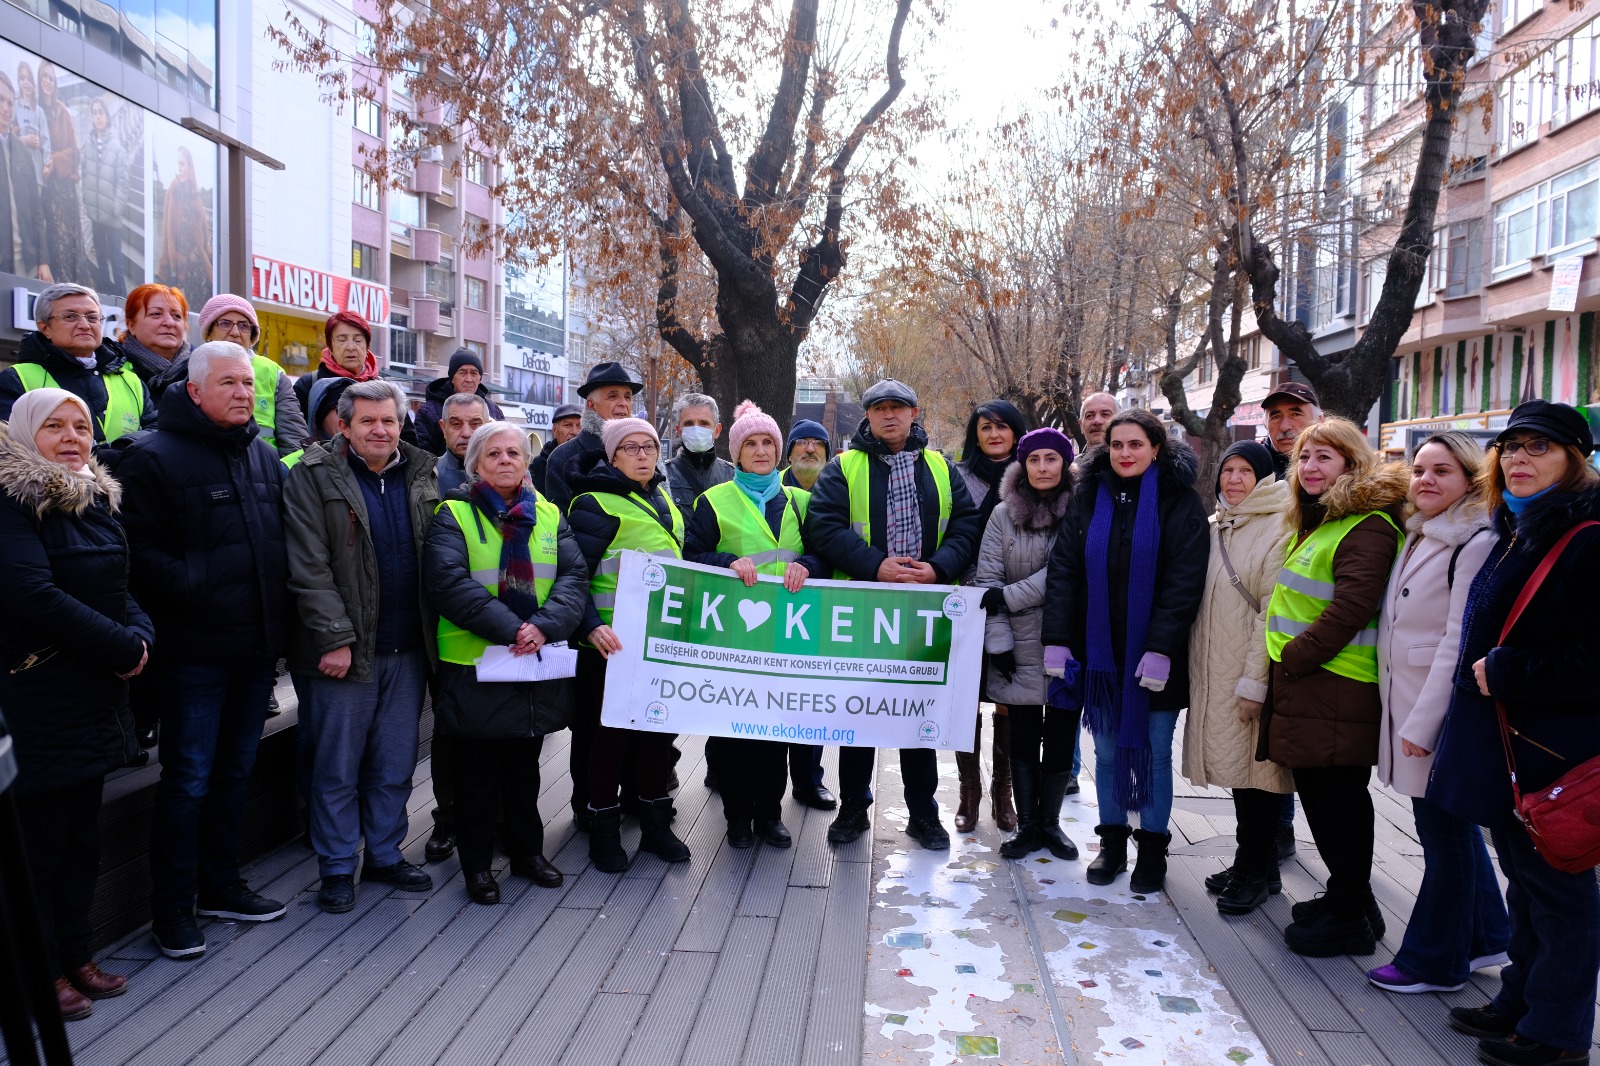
column 851, row 663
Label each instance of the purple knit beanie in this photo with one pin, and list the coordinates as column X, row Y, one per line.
column 1046, row 438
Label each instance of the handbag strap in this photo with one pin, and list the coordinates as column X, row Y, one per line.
column 1233, row 578
column 1525, row 597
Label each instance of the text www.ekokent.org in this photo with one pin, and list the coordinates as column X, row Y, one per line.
column 812, row 734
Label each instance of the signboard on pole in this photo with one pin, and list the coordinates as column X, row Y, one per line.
column 851, row 663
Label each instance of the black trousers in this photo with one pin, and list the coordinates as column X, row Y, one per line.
column 750, row 775
column 1056, row 729
column 505, row 776
column 61, row 832
column 444, row 771
column 1338, row 809
column 1257, row 812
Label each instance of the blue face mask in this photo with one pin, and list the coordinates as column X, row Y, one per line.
column 1518, row 504
column 697, row 438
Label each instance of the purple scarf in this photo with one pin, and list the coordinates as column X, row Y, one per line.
column 515, row 525
column 1114, row 704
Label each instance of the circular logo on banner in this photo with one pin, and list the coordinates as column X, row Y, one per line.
column 655, row 575
column 656, row 712
column 955, row 605
column 928, row 731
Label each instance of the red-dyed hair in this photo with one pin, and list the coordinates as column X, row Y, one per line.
column 138, row 300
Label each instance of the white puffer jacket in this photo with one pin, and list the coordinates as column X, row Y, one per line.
column 1228, row 645
column 1014, row 556
column 1419, row 637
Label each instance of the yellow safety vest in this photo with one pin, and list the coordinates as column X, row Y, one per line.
column 293, row 458
column 124, row 397
column 460, row 646
column 746, row 532
column 856, row 465
column 641, row 530
column 266, row 412
column 1305, row 589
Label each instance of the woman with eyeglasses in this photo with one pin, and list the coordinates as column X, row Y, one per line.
column 283, row 425
column 618, row 504
column 1546, row 676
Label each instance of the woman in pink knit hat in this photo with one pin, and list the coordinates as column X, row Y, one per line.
column 752, row 525
column 227, row 317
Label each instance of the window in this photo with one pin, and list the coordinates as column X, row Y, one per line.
column 1252, row 352
column 1202, row 370
column 1576, row 61
column 1373, row 275
column 1457, row 251
column 402, row 339
column 475, row 167
column 1513, row 12
column 533, row 387
column 405, row 213
column 365, row 115
column 1396, row 81
column 476, row 348
column 1332, row 279
column 363, row 261
column 477, row 293
column 366, row 189
column 1547, row 218
column 1524, row 101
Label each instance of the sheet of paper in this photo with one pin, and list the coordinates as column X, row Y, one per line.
column 552, row 662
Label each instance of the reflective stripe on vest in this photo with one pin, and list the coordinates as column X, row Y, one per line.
column 124, row 402
column 457, row 645
column 638, row 529
column 746, row 532
column 266, row 413
column 1305, row 589
column 858, row 479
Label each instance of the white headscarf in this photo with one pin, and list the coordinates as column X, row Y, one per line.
column 36, row 405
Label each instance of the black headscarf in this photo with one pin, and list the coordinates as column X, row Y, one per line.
column 988, row 470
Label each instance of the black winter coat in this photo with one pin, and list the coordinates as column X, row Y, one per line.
column 691, row 473
column 594, row 528
column 69, row 374
column 562, row 467
column 499, row 710
column 540, row 462
column 204, row 515
column 703, row 532
column 1180, row 570
column 828, row 533
column 430, row 434
column 1547, row 673
column 68, row 612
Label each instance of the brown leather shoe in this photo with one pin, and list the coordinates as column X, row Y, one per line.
column 483, row 888
column 538, row 870
column 74, row 1005
column 95, row 983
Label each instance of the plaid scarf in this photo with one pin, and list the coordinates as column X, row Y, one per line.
column 515, row 525
column 904, row 513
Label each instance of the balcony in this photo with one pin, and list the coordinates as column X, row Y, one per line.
column 429, row 245
column 428, row 177
column 424, row 311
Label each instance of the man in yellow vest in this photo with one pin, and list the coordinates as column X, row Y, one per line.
column 889, row 510
column 69, row 351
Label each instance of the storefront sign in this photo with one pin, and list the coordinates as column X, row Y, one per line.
column 855, row 663
column 313, row 290
column 1248, row 414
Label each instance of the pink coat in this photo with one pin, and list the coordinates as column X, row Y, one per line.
column 1419, row 637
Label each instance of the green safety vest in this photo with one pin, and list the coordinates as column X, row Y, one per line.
column 1304, row 590
column 124, row 397
column 293, row 458
column 460, row 646
column 856, row 464
column 266, row 413
column 746, row 533
column 641, row 530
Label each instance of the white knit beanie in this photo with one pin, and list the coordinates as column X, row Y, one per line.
column 617, row 430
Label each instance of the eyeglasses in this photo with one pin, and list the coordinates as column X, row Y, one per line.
column 1535, row 446
column 228, row 325
column 633, row 450
column 72, row 318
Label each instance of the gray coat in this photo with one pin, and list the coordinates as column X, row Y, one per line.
column 103, row 165
column 1015, row 556
column 333, row 568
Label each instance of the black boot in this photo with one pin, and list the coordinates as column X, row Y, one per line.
column 1113, row 857
column 1025, row 787
column 656, row 835
column 1052, row 791
column 605, row 840
column 1150, row 870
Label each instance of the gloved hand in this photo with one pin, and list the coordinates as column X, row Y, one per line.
column 1056, row 658
column 1153, row 671
column 994, row 600
column 1005, row 663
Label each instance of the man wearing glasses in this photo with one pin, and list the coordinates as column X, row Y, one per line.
column 69, row 351
column 231, row 318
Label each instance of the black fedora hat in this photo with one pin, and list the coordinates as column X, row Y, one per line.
column 607, row 374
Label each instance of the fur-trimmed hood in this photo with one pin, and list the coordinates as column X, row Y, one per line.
column 43, row 486
column 1453, row 526
column 1383, row 488
column 1029, row 510
column 1177, row 465
column 1547, row 518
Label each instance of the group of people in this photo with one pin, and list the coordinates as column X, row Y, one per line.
column 1333, row 613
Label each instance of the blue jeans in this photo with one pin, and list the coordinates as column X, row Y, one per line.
column 1555, row 944
column 362, row 737
column 212, row 713
column 1157, row 811
column 1459, row 915
column 919, row 771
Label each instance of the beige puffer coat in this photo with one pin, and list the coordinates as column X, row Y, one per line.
column 1228, row 645
column 1419, row 636
column 1014, row 557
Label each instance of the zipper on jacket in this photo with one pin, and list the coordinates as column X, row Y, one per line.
column 350, row 537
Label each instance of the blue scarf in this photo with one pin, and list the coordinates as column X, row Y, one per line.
column 1114, row 704
column 759, row 487
column 1517, row 504
column 515, row 524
